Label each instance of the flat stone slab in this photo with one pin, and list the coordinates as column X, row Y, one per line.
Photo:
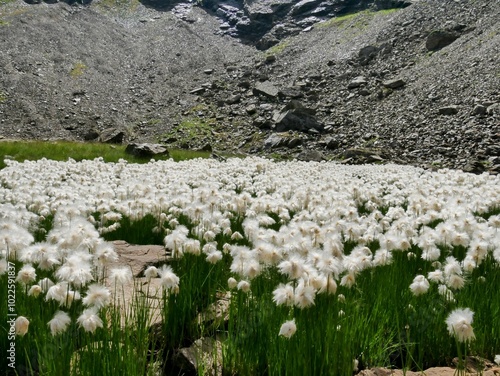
column 138, row 258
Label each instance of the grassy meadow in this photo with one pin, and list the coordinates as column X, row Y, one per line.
column 321, row 268
column 63, row 150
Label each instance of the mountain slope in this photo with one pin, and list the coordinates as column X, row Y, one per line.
column 418, row 84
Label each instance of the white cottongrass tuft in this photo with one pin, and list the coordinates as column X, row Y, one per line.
column 59, row 323
column 420, row 285
column 304, row 295
column 26, row 275
column 288, row 329
column 62, row 294
column 436, row 276
column 35, row 291
column 284, row 294
column 232, row 283
column 97, row 296
column 77, row 270
column 89, row 320
column 243, row 286
column 459, row 323
column 497, row 359
column 120, row 276
column 21, row 326
column 168, row 279
column 151, row 272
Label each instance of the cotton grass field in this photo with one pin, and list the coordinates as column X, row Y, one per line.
column 326, row 268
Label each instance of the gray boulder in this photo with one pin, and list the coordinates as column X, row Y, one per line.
column 448, row 110
column 394, row 84
column 112, row 136
column 304, row 6
column 357, row 82
column 366, row 54
column 439, row 39
column 295, row 117
column 311, row 156
column 274, row 141
column 146, row 150
column 265, row 88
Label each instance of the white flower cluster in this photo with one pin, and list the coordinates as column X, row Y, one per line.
column 297, row 217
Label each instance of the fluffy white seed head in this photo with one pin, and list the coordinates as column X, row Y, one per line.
column 420, row 285
column 288, row 329
column 97, row 296
column 59, row 323
column 459, row 324
column 89, row 320
column 21, row 326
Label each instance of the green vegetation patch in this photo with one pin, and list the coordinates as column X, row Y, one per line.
column 277, row 49
column 119, row 5
column 63, row 150
column 78, row 69
column 191, row 131
column 4, row 2
column 357, row 20
column 3, row 96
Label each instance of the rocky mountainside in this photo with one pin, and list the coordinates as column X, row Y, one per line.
column 413, row 82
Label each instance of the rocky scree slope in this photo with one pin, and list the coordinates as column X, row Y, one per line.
column 412, row 82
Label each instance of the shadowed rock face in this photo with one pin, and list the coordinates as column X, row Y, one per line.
column 266, row 22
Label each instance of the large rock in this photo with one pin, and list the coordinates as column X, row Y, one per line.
column 439, row 39
column 112, row 136
column 366, row 54
column 138, row 258
column 146, row 150
column 291, row 92
column 304, row 6
column 295, row 117
column 266, row 88
column 274, row 141
column 311, row 156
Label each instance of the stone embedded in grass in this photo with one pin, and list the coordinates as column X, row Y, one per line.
column 146, row 150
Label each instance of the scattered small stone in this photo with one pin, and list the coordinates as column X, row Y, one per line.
column 394, row 84
column 270, row 59
column 479, row 110
column 251, row 109
column 197, row 91
column 493, row 109
column 357, row 82
column 233, row 99
column 448, row 110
